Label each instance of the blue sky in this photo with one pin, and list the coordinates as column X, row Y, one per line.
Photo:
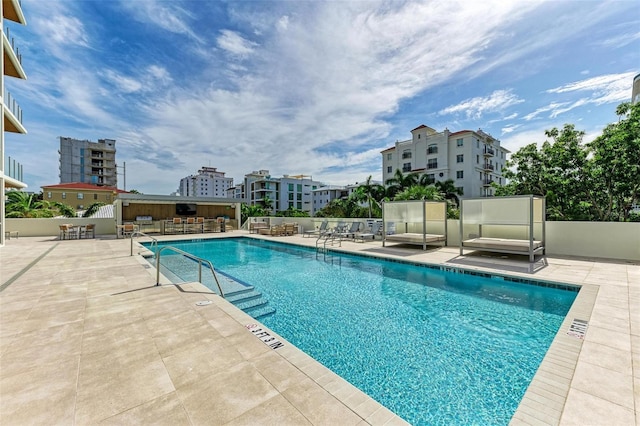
column 308, row 87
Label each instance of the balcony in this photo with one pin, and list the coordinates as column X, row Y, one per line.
column 12, row 58
column 488, row 166
column 13, row 174
column 12, row 115
column 12, row 10
column 488, row 151
column 487, row 182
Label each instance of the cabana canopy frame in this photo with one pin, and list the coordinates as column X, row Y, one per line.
column 514, row 225
column 415, row 222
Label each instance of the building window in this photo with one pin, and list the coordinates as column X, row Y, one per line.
column 389, row 169
column 299, row 197
column 432, row 163
column 459, row 158
column 291, row 196
column 389, row 156
column 460, row 174
column 49, row 194
column 80, row 196
column 432, row 149
column 477, row 159
column 460, row 189
column 64, row 195
column 406, row 154
column 290, row 187
column 406, row 167
column 299, row 187
column 418, row 135
column 460, row 142
column 477, row 144
column 431, row 177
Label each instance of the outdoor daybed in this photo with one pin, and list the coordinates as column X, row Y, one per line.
column 513, row 225
column 423, row 222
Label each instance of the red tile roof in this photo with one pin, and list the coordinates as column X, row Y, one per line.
column 422, row 126
column 85, row 186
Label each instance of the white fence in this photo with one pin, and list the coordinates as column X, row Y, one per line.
column 607, row 240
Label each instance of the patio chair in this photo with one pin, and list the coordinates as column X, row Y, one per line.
column 128, row 229
column 67, row 231
column 190, row 225
column 290, row 228
column 375, row 230
column 88, row 229
column 321, row 230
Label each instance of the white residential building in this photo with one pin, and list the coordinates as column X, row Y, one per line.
column 325, row 194
column 289, row 191
column 472, row 159
column 209, row 182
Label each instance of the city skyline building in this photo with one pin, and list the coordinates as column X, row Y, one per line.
column 473, row 160
column 208, row 182
column 88, row 162
column 11, row 172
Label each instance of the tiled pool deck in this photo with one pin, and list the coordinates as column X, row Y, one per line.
column 86, row 337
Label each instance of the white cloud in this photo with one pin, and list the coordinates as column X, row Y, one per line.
column 166, row 15
column 604, row 88
column 476, row 107
column 234, row 43
column 283, row 23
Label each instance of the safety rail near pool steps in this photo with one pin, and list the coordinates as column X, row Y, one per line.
column 192, row 257
column 154, row 242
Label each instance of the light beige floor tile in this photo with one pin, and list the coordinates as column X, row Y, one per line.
column 275, row 411
column 277, row 370
column 606, row 357
column 106, row 389
column 604, row 383
column 43, row 395
column 222, row 397
column 585, row 409
column 612, row 338
column 314, row 402
column 164, row 410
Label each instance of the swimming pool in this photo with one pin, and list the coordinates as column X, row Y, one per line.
column 435, row 347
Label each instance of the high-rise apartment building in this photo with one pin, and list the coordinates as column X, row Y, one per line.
column 88, row 162
column 472, row 159
column 209, row 182
column 635, row 91
column 289, row 191
column 11, row 63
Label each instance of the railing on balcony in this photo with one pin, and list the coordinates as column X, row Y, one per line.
column 13, row 169
column 13, row 106
column 488, row 166
column 432, row 150
column 487, row 182
column 488, row 150
column 12, row 41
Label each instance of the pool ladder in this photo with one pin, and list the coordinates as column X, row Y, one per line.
column 200, row 261
column 328, row 238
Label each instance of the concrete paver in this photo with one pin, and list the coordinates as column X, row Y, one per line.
column 87, row 337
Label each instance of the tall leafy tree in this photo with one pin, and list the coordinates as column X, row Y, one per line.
column 399, row 182
column 615, row 165
column 449, row 191
column 595, row 181
column 372, row 194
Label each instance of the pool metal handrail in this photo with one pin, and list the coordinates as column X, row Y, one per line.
column 154, row 241
column 192, row 257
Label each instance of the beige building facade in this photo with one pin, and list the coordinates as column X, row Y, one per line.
column 80, row 195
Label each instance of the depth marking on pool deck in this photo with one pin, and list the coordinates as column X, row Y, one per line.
column 578, row 328
column 264, row 335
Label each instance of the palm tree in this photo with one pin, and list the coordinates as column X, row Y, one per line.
column 425, row 180
column 449, row 191
column 371, row 193
column 399, row 182
column 22, row 204
column 419, row 192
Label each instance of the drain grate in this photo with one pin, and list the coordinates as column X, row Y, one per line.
column 578, row 328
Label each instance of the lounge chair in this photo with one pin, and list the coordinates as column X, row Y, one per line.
column 375, row 230
column 355, row 227
column 290, row 228
column 321, row 230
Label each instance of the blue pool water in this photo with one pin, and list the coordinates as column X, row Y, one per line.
column 434, row 347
